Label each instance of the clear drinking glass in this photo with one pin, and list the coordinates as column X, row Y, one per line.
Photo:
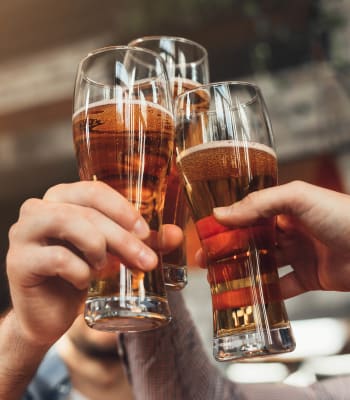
column 123, row 133
column 224, row 152
column 187, row 67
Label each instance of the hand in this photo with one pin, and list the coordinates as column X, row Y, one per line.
column 313, row 231
column 58, row 239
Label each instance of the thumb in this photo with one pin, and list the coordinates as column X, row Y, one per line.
column 290, row 199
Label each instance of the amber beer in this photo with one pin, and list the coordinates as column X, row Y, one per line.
column 242, row 268
column 175, row 212
column 175, row 207
column 127, row 145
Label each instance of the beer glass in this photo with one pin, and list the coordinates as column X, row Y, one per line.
column 187, row 67
column 224, row 152
column 123, row 133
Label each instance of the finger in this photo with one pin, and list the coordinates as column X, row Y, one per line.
column 170, row 238
column 131, row 251
column 41, row 222
column 100, row 196
column 289, row 238
column 200, row 258
column 291, row 285
column 67, row 266
column 292, row 242
column 292, row 199
column 89, row 231
column 46, row 262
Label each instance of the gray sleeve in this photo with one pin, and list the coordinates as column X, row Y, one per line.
column 332, row 389
column 171, row 363
column 278, row 391
column 328, row 389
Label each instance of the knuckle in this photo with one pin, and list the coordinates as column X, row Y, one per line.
column 52, row 192
column 59, row 257
column 297, row 187
column 97, row 246
column 90, row 188
column 296, row 200
column 251, row 198
column 13, row 231
column 29, row 206
column 99, row 243
column 93, row 189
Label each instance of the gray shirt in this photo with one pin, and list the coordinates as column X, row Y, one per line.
column 170, row 363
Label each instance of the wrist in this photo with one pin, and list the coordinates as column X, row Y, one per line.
column 19, row 359
column 11, row 325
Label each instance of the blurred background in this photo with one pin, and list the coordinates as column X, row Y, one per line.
column 298, row 52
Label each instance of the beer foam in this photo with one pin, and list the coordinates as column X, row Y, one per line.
column 226, row 143
column 117, row 102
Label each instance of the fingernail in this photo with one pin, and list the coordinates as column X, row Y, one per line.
column 141, row 228
column 147, row 259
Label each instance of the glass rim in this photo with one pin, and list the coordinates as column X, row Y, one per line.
column 179, row 39
column 106, row 49
column 212, row 85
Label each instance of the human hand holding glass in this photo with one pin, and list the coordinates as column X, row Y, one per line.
column 224, row 152
column 123, row 135
column 187, row 67
column 312, row 233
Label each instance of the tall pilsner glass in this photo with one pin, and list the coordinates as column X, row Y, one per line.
column 224, row 152
column 123, row 135
column 187, row 67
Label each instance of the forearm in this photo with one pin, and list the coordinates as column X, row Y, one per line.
column 170, row 362
column 19, row 359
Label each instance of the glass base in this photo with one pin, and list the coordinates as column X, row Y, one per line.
column 253, row 344
column 175, row 277
column 109, row 314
